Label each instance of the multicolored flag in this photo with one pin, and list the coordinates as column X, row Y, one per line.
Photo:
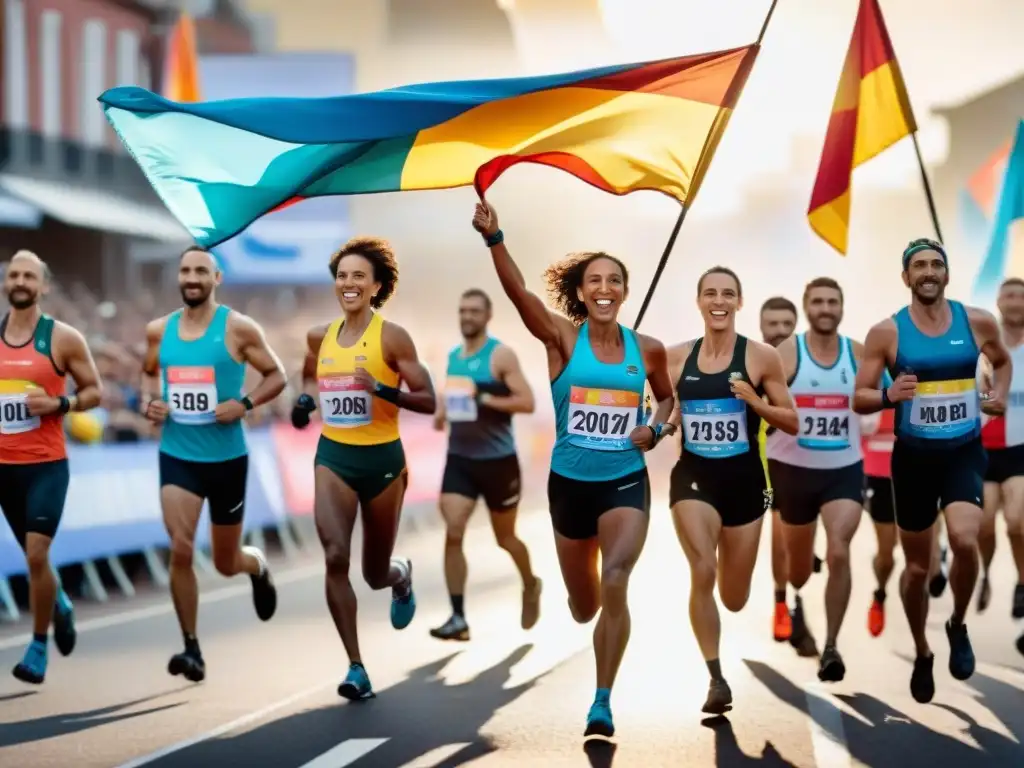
column 1005, row 256
column 181, row 63
column 871, row 112
column 219, row 166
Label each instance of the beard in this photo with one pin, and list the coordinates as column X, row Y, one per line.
column 21, row 299
column 194, row 301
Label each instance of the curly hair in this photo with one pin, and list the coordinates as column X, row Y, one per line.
column 378, row 252
column 565, row 277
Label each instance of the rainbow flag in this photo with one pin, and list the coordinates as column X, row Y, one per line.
column 219, row 166
column 1005, row 256
column 181, row 62
column 871, row 112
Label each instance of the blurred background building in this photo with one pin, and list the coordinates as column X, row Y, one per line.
column 69, row 192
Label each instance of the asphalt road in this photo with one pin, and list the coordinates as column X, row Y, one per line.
column 508, row 697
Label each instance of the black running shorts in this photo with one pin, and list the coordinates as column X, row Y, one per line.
column 576, row 505
column 1004, row 463
column 32, row 496
column 925, row 481
column 222, row 483
column 878, row 500
column 800, row 492
column 497, row 480
column 736, row 487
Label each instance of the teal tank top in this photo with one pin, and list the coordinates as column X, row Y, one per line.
column 195, row 377
column 475, row 431
column 597, row 405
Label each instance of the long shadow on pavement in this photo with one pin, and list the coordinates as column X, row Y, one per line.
column 420, row 714
column 728, row 753
column 892, row 738
column 18, row 695
column 52, row 726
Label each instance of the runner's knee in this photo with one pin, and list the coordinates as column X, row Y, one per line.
column 336, row 559
column 838, row 555
column 182, row 552
column 702, row 575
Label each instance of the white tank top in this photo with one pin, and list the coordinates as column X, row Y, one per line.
column 829, row 436
column 1008, row 430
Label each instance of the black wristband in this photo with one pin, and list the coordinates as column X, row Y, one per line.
column 886, row 402
column 496, row 239
column 65, row 404
column 247, row 402
column 384, row 392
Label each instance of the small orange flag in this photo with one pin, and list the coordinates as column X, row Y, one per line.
column 181, row 65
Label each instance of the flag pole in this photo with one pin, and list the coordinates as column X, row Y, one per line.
column 927, row 189
column 684, row 207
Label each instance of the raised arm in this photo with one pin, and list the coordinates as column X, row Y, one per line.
column 400, row 355
column 546, row 326
column 508, row 371
column 254, row 350
column 79, row 363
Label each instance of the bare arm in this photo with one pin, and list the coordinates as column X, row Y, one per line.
column 400, row 354
column 990, row 342
column 508, row 371
column 79, row 363
column 439, row 415
column 254, row 350
column 787, row 351
column 867, row 396
column 676, row 358
column 314, row 338
column 150, row 387
column 656, row 363
column 779, row 410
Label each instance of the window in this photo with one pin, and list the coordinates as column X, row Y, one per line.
column 93, row 82
column 49, row 67
column 15, row 65
column 145, row 73
column 128, row 56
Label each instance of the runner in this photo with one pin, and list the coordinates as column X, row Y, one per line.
column 485, row 386
column 820, row 472
column 192, row 385
column 719, row 491
column 36, row 354
column 355, row 366
column 1003, row 437
column 877, row 439
column 931, row 346
column 598, row 489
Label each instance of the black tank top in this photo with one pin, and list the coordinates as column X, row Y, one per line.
column 715, row 423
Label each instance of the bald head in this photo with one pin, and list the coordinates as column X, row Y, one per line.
column 28, row 260
column 25, row 279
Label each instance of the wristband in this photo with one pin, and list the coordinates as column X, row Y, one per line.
column 247, row 403
column 384, row 392
column 65, row 404
column 496, row 239
column 886, row 402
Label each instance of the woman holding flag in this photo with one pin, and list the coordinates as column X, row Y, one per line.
column 598, row 489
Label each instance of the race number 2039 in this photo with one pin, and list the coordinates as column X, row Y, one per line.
column 602, row 418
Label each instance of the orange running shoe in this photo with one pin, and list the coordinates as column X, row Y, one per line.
column 782, row 626
column 876, row 617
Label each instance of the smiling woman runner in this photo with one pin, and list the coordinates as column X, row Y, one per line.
column 598, row 490
column 355, row 366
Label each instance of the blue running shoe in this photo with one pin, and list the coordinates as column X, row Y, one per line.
column 356, row 685
column 64, row 633
column 403, row 599
column 599, row 718
column 32, row 668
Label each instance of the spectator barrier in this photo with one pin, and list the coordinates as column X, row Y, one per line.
column 113, row 503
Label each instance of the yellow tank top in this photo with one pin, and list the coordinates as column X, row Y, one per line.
column 350, row 414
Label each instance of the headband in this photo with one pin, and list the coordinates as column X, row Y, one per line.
column 924, row 244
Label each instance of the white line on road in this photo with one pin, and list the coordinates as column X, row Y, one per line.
column 827, row 735
column 137, row 614
column 435, row 757
column 219, row 731
column 344, row 754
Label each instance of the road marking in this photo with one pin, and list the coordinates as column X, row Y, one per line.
column 827, row 735
column 436, row 757
column 164, row 607
column 219, row 731
column 344, row 754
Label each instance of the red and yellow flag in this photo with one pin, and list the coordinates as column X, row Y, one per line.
column 181, row 63
column 871, row 112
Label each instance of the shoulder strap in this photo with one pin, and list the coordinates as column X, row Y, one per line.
column 43, row 338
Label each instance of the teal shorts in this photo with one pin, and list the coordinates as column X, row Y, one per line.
column 366, row 469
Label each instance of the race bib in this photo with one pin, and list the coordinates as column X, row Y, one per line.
column 715, row 429
column 14, row 415
column 602, row 419
column 944, row 409
column 460, row 399
column 191, row 394
column 824, row 422
column 344, row 403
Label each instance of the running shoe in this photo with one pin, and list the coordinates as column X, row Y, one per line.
column 876, row 616
column 403, row 599
column 64, row 633
column 922, row 680
column 719, row 700
column 1018, row 602
column 32, row 668
column 782, row 624
column 961, row 654
column 801, row 638
column 599, row 718
column 356, row 685
column 831, row 668
column 264, row 593
column 189, row 664
column 455, row 629
column 531, row 604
